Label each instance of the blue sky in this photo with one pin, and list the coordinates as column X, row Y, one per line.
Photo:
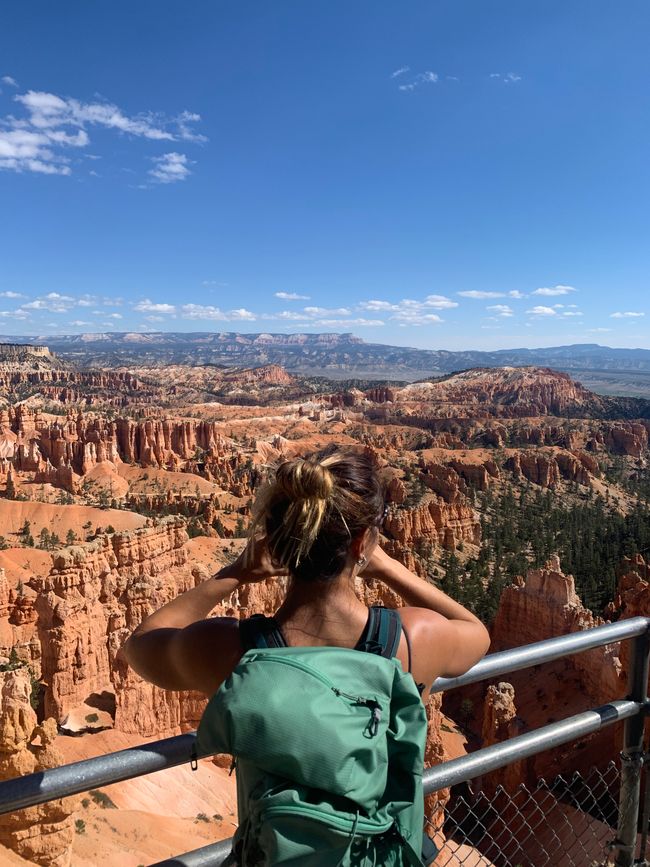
column 456, row 174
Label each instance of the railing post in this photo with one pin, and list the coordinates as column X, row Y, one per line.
column 632, row 756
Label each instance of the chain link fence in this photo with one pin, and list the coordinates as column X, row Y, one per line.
column 567, row 822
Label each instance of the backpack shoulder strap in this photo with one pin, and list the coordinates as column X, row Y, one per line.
column 382, row 633
column 259, row 631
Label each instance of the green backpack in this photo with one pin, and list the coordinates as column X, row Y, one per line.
column 328, row 744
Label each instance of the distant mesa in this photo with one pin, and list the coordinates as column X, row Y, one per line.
column 23, row 352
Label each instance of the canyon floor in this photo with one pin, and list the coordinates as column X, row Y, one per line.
column 516, row 489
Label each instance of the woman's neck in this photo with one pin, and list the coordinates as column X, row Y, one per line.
column 320, row 596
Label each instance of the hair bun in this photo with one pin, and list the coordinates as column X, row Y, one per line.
column 305, row 480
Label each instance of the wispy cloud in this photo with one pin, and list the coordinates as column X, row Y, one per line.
column 479, row 295
column 170, row 168
column 14, row 314
column 54, row 302
column 400, row 71
column 407, row 308
column 501, row 310
column 426, row 77
column 628, row 314
column 506, row 77
column 347, row 323
column 53, row 127
column 550, row 291
column 291, row 296
column 9, row 81
column 203, row 311
column 10, row 294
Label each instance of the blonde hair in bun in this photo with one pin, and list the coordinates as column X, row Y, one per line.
column 313, row 507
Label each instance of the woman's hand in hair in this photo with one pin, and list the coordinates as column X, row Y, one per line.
column 378, row 564
column 255, row 563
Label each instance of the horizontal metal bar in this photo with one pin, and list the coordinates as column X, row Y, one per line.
column 519, row 658
column 468, row 767
column 213, row 855
column 156, row 756
column 92, row 773
column 521, row 747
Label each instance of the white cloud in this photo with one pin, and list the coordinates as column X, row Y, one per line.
column 10, row 294
column 550, row 291
column 501, row 309
column 78, row 323
column 439, row 302
column 571, row 313
column 51, row 125
column 324, row 311
column 377, row 305
column 115, row 316
column 515, row 293
column 542, row 311
column 506, row 77
column 291, row 315
column 426, row 77
column 148, row 306
column 409, row 311
column 628, row 314
column 202, row 311
column 400, row 71
column 170, row 167
column 598, row 330
column 291, row 296
column 479, row 295
column 242, row 314
column 155, row 318
column 14, row 314
column 347, row 323
column 54, row 302
column 7, row 79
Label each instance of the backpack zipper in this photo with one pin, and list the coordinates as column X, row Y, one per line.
column 371, row 703
column 364, row 826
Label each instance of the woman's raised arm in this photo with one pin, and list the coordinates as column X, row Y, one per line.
column 446, row 638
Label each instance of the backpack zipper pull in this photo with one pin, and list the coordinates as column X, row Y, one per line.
column 375, row 717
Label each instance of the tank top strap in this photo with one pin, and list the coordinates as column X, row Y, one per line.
column 259, row 631
column 382, row 632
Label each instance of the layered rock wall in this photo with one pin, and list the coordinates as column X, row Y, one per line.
column 42, row 834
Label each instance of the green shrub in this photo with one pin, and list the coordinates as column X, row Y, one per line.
column 102, row 799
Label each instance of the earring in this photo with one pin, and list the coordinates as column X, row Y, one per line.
column 361, row 561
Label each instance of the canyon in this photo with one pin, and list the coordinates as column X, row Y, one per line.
column 123, row 487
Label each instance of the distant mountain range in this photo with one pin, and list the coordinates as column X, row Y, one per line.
column 343, row 356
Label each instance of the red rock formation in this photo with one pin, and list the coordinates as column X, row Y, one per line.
column 542, row 605
column 435, row 522
column 95, row 594
column 500, row 723
column 43, row 834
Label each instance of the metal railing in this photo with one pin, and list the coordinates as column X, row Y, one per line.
column 126, row 764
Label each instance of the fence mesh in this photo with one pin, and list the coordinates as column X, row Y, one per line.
column 567, row 822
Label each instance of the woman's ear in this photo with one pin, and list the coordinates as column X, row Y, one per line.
column 364, row 544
